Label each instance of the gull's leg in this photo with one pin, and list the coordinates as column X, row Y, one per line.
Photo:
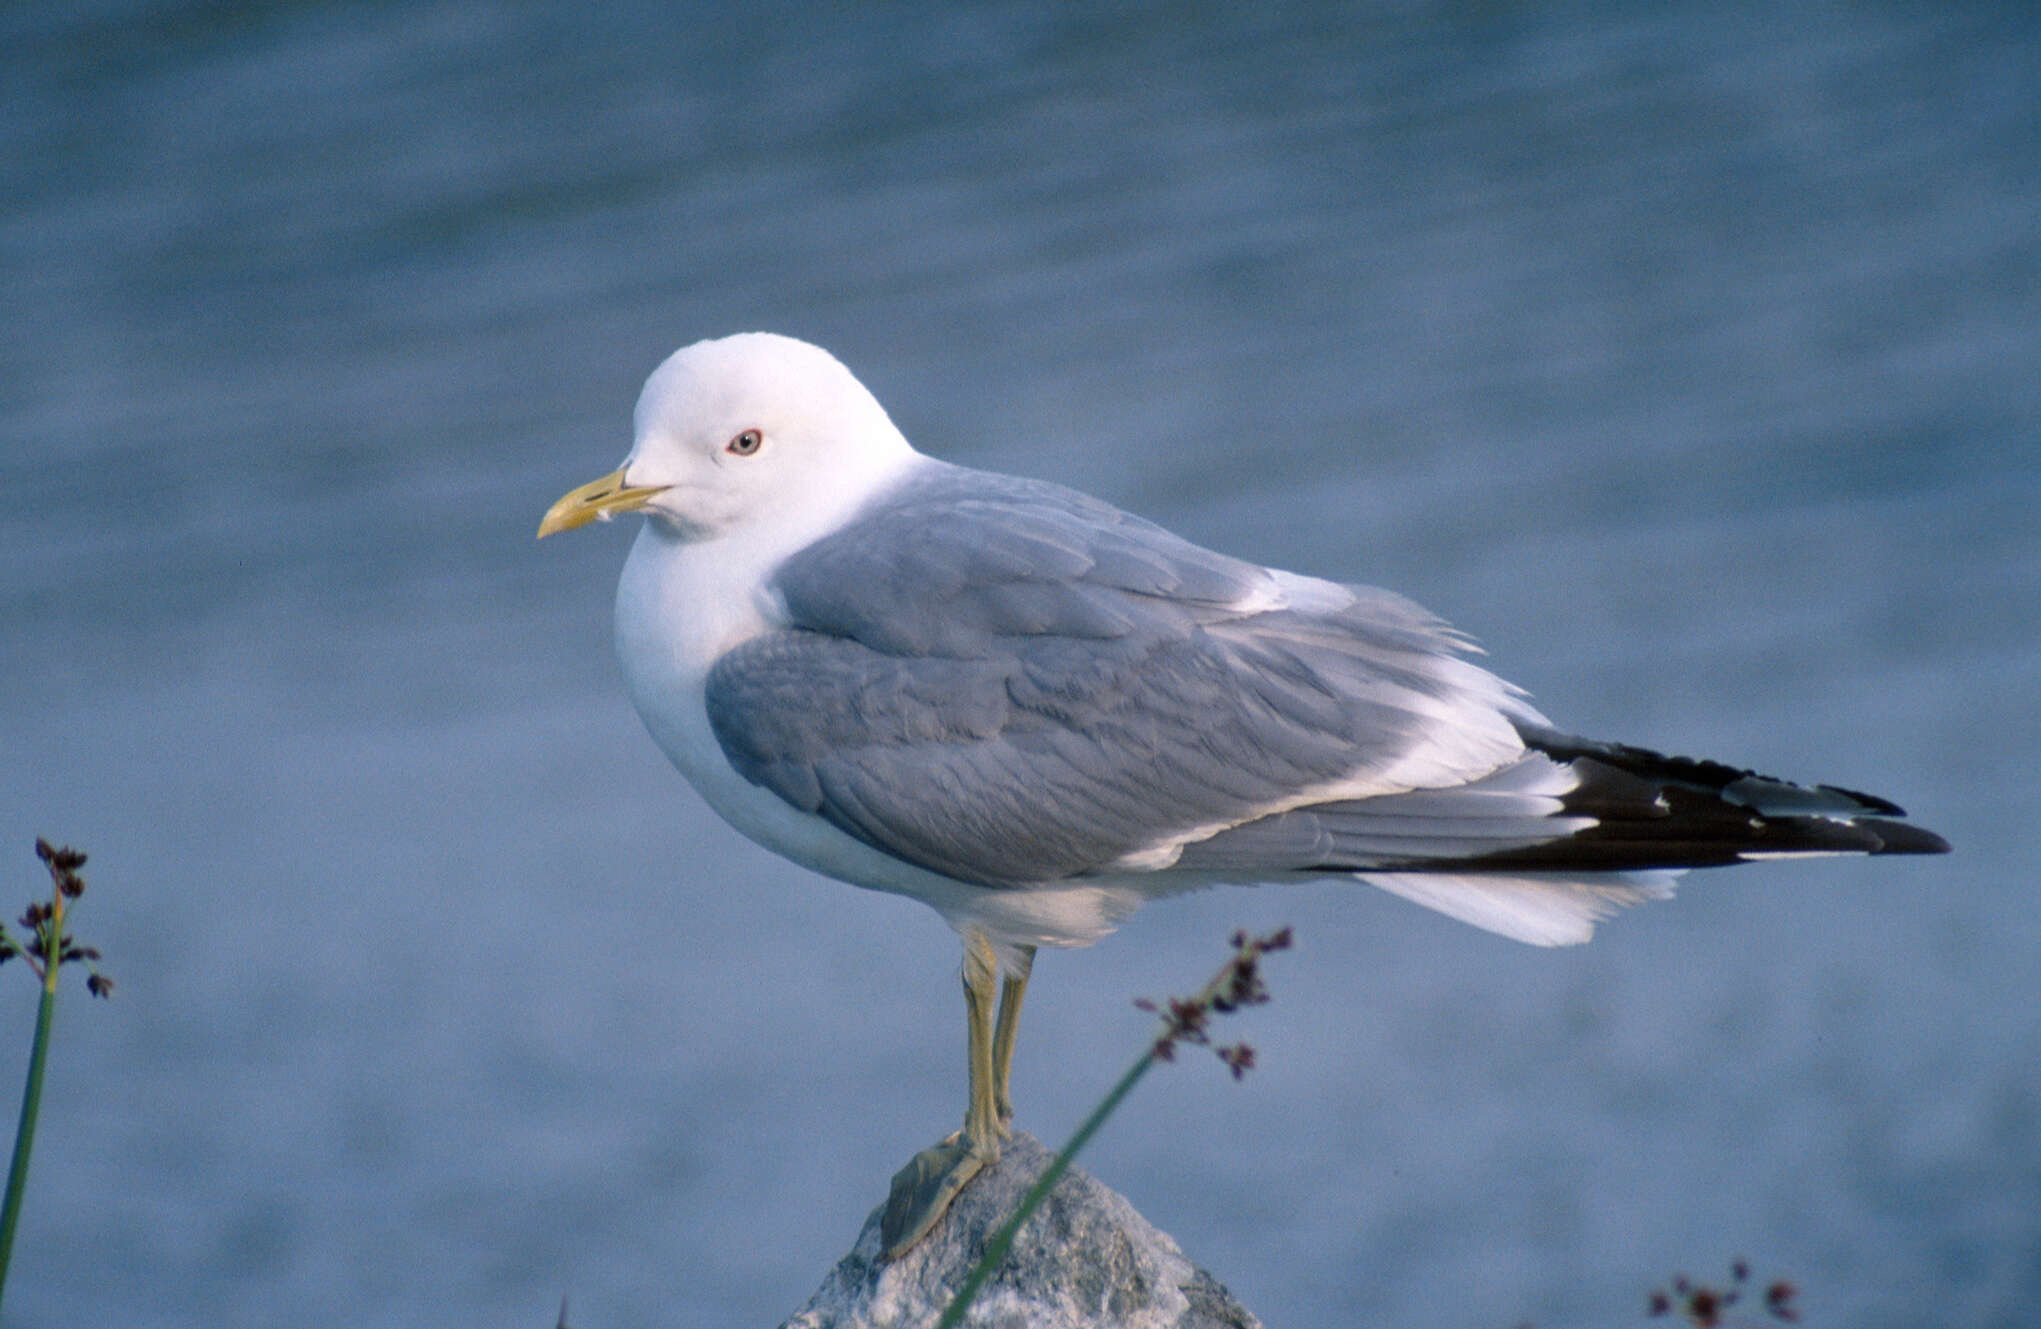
column 1011, row 990
column 924, row 1188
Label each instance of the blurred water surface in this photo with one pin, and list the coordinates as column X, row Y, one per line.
column 1690, row 356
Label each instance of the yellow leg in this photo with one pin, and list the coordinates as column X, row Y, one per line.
column 923, row 1189
column 981, row 971
column 1011, row 990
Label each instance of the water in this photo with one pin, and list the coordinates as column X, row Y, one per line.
column 1687, row 357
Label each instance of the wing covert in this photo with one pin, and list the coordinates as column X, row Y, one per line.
column 1009, row 683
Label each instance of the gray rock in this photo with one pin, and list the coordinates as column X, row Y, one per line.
column 1085, row 1259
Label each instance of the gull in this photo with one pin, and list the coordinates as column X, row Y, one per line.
column 1035, row 712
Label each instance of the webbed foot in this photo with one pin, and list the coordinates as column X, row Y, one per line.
column 923, row 1189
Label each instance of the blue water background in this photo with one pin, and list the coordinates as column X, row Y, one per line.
column 1687, row 355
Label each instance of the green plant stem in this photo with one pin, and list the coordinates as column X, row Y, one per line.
column 31, row 1104
column 1002, row 1241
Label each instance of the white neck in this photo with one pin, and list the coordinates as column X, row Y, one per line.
column 682, row 603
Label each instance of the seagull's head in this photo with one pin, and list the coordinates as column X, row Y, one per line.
column 742, row 430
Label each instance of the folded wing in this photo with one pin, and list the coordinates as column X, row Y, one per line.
column 1012, row 684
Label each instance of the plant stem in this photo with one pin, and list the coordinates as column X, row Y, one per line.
column 1002, row 1241
column 31, row 1103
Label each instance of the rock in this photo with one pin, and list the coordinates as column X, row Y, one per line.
column 1084, row 1259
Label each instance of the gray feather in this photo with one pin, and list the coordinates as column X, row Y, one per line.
column 1010, row 683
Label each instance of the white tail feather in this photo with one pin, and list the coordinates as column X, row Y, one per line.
column 1543, row 910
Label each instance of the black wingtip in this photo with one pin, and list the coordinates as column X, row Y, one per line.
column 1898, row 837
column 1694, row 813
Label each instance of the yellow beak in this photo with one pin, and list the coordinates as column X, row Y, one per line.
column 599, row 500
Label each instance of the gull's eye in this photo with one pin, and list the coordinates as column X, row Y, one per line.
column 745, row 443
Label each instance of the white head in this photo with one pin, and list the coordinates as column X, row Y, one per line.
column 755, row 428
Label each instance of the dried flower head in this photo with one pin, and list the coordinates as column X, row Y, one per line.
column 1705, row 1307
column 47, row 945
column 1237, row 984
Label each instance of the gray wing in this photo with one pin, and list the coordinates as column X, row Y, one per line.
column 1009, row 683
